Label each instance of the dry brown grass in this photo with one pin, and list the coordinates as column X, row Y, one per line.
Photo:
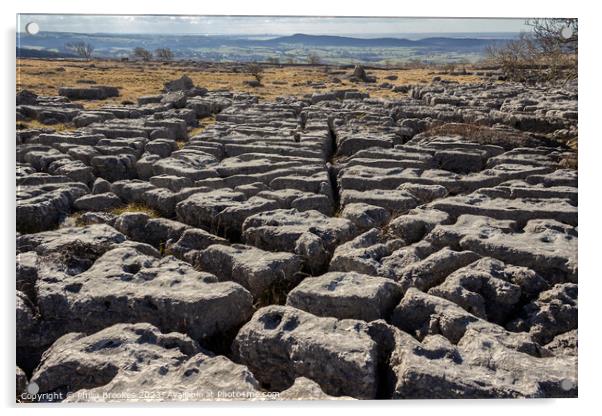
column 203, row 124
column 507, row 138
column 35, row 124
column 136, row 78
column 136, row 207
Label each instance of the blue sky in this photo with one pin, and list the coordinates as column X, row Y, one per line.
column 257, row 25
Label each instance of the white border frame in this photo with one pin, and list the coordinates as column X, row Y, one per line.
column 589, row 170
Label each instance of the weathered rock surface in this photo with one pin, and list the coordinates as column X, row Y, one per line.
column 346, row 296
column 478, row 366
column 282, row 343
column 306, row 389
column 449, row 212
column 546, row 246
column 20, row 382
column 256, row 270
column 76, row 361
column 422, row 315
column 126, row 285
column 309, row 234
column 553, row 312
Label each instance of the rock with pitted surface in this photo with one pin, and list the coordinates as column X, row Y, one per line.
column 436, row 368
column 553, row 312
column 340, row 218
column 365, row 216
column 546, row 246
column 99, row 202
column 491, row 289
column 422, row 315
column 78, row 361
column 309, row 234
column 138, row 363
column 126, row 285
column 281, row 343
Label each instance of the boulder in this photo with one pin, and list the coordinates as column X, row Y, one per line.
column 438, row 369
column 181, row 84
column 256, row 270
column 547, row 246
column 365, row 216
column 78, row 361
column 346, row 295
column 126, row 285
column 309, row 234
column 98, row 202
column 281, row 343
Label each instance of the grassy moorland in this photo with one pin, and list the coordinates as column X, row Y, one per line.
column 135, row 79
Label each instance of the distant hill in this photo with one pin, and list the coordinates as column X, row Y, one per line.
column 324, row 40
column 230, row 48
column 344, row 41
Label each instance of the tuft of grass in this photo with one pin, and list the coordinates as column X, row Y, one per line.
column 203, row 124
column 181, row 144
column 35, row 124
column 507, row 138
column 136, row 207
column 74, row 219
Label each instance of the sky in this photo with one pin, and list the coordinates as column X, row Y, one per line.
column 259, row 25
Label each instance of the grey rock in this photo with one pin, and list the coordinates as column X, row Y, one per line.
column 255, row 269
column 203, row 377
column 191, row 242
column 177, row 98
column 554, row 312
column 281, row 343
column 27, row 273
column 309, row 234
column 491, row 289
column 42, row 207
column 418, row 222
column 101, row 186
column 546, row 246
column 306, row 389
column 436, row 368
column 89, row 218
column 20, row 382
column 564, row 344
column 173, row 183
column 181, row 84
column 78, row 361
column 201, row 209
column 432, row 270
column 363, row 254
column 518, row 209
column 161, row 147
column 96, row 239
column 394, row 201
column 424, row 193
column 96, row 92
column 421, row 314
column 132, row 224
column 159, row 231
column 346, row 295
column 99, row 202
column 125, row 285
column 365, row 216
